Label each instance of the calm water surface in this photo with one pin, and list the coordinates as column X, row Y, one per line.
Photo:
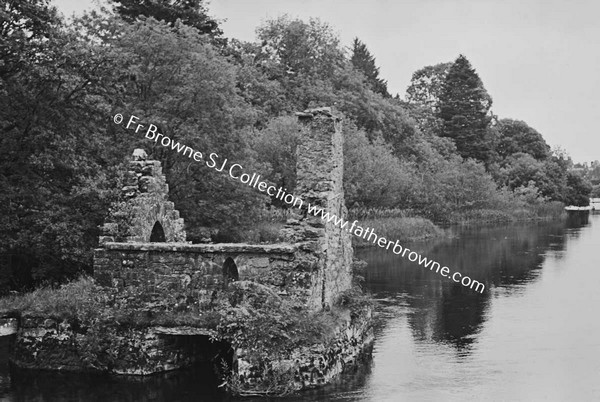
column 534, row 334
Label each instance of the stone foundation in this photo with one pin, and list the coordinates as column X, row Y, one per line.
column 50, row 344
column 315, row 365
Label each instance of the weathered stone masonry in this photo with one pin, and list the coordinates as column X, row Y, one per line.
column 177, row 271
column 315, row 264
column 45, row 343
column 320, row 172
column 143, row 252
column 147, row 211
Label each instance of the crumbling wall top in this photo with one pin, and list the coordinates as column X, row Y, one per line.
column 145, row 213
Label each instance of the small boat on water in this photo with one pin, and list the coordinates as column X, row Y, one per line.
column 574, row 208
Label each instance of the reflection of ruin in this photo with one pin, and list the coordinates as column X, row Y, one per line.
column 144, row 252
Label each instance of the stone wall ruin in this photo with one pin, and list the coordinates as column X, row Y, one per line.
column 314, row 263
column 145, row 264
column 146, row 215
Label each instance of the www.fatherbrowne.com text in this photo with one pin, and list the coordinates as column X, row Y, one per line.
column 236, row 172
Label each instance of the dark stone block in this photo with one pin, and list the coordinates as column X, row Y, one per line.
column 103, row 279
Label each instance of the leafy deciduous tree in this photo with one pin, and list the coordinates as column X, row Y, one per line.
column 426, row 85
column 516, row 136
column 24, row 27
column 301, row 48
column 578, row 190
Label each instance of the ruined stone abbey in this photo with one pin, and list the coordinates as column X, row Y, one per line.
column 144, row 247
column 145, row 266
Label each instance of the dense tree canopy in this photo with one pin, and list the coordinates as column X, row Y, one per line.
column 24, row 27
column 516, row 136
column 301, row 48
column 578, row 190
column 62, row 158
column 191, row 12
column 426, row 85
column 53, row 173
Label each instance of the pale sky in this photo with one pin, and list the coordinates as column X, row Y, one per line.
column 538, row 59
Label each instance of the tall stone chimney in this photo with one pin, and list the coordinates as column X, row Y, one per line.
column 319, row 172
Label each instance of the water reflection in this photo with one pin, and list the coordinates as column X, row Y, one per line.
column 196, row 384
column 446, row 311
column 532, row 335
column 509, row 343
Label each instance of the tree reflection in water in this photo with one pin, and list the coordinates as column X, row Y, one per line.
column 443, row 311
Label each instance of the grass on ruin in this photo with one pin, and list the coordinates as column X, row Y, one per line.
column 253, row 317
column 79, row 299
column 245, row 312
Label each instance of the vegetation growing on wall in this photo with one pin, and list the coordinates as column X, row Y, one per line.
column 248, row 315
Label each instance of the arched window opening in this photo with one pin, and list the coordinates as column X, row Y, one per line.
column 158, row 234
column 230, row 271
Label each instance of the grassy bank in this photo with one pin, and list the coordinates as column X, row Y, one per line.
column 407, row 225
column 549, row 211
column 404, row 224
column 398, row 228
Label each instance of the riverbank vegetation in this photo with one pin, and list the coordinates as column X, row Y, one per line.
column 402, row 229
column 249, row 316
column 81, row 301
column 437, row 150
column 244, row 312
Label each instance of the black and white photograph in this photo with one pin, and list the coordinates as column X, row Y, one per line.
column 299, row 200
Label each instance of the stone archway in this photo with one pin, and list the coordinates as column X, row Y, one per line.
column 158, row 234
column 230, row 270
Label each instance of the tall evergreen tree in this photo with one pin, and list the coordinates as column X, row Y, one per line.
column 363, row 61
column 463, row 109
column 191, row 12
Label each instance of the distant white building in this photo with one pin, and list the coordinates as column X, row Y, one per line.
column 595, row 204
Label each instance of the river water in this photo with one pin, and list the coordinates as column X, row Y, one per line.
column 534, row 333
